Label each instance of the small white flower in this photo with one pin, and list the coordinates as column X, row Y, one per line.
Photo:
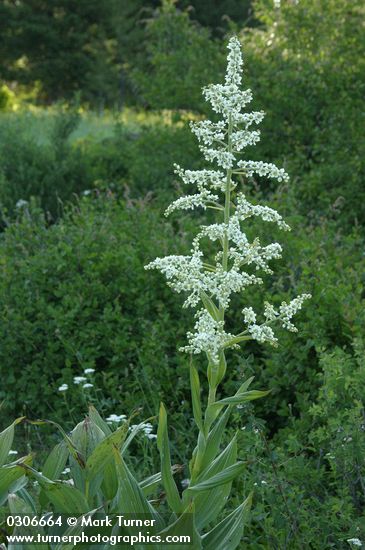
column 355, row 542
column 21, row 203
column 64, row 387
column 11, row 452
column 88, row 385
column 117, row 418
column 79, row 379
column 210, row 276
column 89, row 371
column 66, row 471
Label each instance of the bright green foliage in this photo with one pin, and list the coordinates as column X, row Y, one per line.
column 75, row 476
column 86, row 295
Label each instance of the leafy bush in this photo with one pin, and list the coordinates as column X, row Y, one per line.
column 52, row 171
column 180, row 58
column 72, row 297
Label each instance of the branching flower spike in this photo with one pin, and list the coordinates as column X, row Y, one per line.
column 210, row 282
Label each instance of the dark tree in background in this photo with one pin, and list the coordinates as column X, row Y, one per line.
column 87, row 47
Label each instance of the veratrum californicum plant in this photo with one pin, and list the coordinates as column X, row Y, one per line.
column 208, row 283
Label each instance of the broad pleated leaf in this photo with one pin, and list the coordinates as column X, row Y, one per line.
column 130, row 498
column 195, row 396
column 208, row 504
column 96, row 418
column 18, row 506
column 227, row 475
column 242, row 398
column 228, row 533
column 172, row 494
column 6, row 440
column 103, row 452
column 184, row 526
column 56, row 461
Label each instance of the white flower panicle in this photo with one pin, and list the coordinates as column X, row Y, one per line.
column 218, row 275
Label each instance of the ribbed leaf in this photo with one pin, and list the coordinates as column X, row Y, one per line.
column 210, row 305
column 227, row 475
column 241, row 398
column 184, row 526
column 151, row 483
column 18, row 506
column 65, row 499
column 74, row 451
column 214, row 438
column 172, row 494
column 228, row 533
column 103, row 452
column 195, row 396
column 6, row 440
column 96, row 418
column 73, row 531
column 208, row 504
column 131, row 499
column 12, row 477
column 56, row 461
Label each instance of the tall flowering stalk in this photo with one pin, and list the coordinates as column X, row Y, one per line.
column 209, row 280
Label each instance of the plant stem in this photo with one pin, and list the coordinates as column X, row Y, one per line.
column 227, row 210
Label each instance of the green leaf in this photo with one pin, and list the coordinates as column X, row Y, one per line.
column 225, row 476
column 184, row 526
column 11, row 477
column 172, row 494
column 130, row 498
column 96, row 418
column 208, row 504
column 151, row 483
column 228, row 533
column 18, row 506
column 103, row 452
column 214, row 438
column 73, row 531
column 241, row 398
column 6, row 440
column 137, row 429
column 210, row 305
column 75, row 453
column 65, row 499
column 56, row 461
column 195, row 396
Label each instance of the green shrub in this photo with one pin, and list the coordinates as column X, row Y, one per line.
column 50, row 170
column 76, row 296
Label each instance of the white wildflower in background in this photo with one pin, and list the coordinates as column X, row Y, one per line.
column 355, row 542
column 209, row 279
column 146, row 428
column 117, row 418
column 64, row 387
column 79, row 379
column 11, row 452
column 88, row 385
column 89, row 371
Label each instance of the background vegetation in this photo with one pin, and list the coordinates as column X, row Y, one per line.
column 94, row 103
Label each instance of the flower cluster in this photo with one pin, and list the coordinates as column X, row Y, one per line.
column 238, row 262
